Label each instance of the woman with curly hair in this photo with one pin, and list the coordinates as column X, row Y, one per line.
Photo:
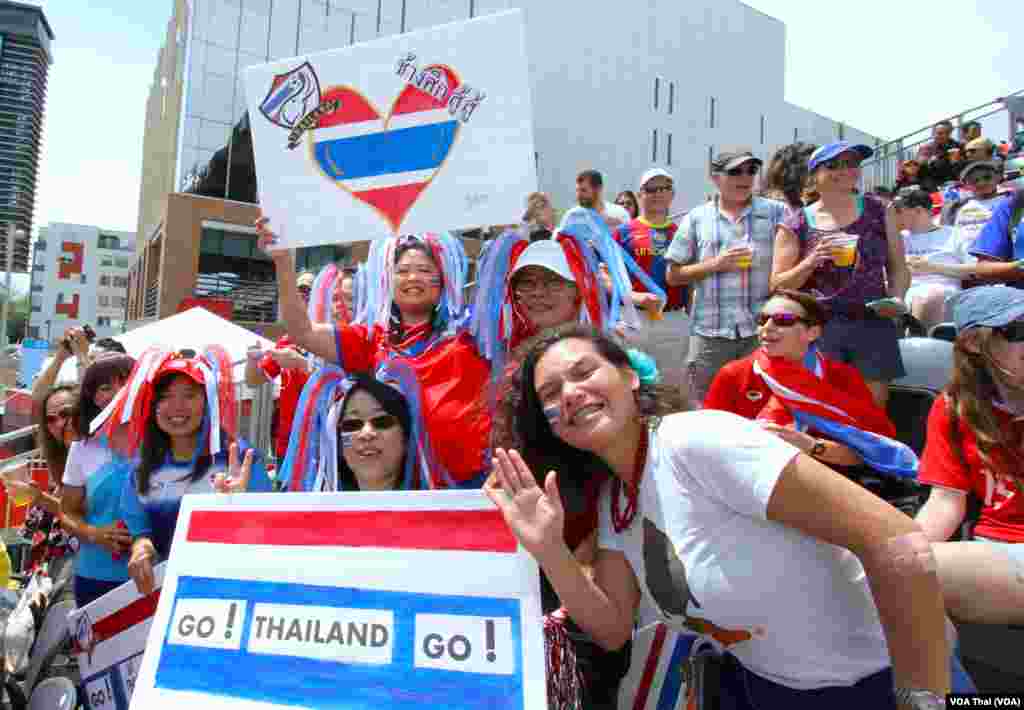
column 787, row 178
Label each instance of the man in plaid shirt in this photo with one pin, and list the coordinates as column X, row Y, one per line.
column 723, row 250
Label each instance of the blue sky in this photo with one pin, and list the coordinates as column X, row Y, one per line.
column 892, row 67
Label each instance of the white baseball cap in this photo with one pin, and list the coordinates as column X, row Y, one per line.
column 653, row 173
column 547, row 253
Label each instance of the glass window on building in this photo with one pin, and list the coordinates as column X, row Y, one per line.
column 315, row 258
column 123, row 262
column 109, row 241
column 104, row 280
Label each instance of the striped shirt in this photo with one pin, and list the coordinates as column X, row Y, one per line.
column 726, row 304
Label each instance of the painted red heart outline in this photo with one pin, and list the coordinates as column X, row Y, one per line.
column 392, row 204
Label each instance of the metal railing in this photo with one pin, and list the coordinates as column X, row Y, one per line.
column 883, row 167
column 152, row 301
column 251, row 301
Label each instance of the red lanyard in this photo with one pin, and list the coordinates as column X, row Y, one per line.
column 621, row 520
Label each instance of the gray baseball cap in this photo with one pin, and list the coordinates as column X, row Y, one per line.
column 987, row 306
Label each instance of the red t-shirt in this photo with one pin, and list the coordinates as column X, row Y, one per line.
column 738, row 389
column 292, row 382
column 452, row 378
column 1002, row 497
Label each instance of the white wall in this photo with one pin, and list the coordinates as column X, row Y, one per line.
column 52, row 286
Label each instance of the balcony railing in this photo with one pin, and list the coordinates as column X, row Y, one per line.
column 251, row 301
column 149, row 306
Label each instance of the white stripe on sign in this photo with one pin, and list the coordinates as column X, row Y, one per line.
column 323, row 633
column 472, row 644
column 210, row 623
column 377, row 182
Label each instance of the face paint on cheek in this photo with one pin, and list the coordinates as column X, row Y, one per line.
column 553, row 414
column 347, row 437
column 435, row 281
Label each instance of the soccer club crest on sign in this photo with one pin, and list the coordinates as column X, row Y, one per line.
column 292, row 96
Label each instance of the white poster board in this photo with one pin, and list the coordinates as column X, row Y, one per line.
column 342, row 601
column 426, row 131
column 110, row 637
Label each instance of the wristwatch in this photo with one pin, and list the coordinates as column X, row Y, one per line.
column 818, row 449
column 909, row 699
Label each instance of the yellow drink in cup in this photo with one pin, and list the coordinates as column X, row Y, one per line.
column 655, row 310
column 19, row 495
column 844, row 251
column 746, row 261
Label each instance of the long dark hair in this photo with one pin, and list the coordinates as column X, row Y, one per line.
column 392, row 402
column 396, row 330
column 104, row 371
column 156, row 444
column 636, row 202
column 787, row 174
column 529, row 429
column 54, row 451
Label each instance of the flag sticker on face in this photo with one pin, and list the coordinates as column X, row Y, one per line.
column 397, row 135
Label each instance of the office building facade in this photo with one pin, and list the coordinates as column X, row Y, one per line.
column 618, row 89
column 25, row 58
column 79, row 277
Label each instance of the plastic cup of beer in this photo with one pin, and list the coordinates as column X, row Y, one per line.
column 18, row 473
column 745, row 261
column 844, row 250
column 655, row 309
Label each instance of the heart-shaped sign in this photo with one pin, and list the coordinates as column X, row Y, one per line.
column 386, row 161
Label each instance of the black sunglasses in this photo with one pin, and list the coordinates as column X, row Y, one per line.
column 782, row 320
column 842, row 164
column 657, row 189
column 1012, row 333
column 1011, row 175
column 63, row 414
column 980, row 177
column 379, row 423
column 749, row 170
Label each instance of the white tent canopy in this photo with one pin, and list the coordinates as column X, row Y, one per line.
column 195, row 328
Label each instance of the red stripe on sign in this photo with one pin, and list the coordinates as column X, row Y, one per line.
column 456, row 530
column 142, row 609
column 650, row 668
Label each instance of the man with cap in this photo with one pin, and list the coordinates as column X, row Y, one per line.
column 724, row 249
column 1000, row 245
column 646, row 239
column 969, row 215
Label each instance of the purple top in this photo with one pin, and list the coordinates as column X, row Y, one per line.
column 845, row 290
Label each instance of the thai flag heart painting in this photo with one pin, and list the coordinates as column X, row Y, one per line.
column 385, row 161
column 428, row 131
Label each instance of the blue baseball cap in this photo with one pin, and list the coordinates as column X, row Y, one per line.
column 831, row 150
column 987, row 306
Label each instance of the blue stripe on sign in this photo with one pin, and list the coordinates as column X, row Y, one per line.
column 385, row 153
column 337, row 686
column 673, row 682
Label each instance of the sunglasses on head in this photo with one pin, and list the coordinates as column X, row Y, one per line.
column 1012, row 333
column 748, row 170
column 658, row 188
column 842, row 164
column 379, row 423
column 782, row 320
column 62, row 415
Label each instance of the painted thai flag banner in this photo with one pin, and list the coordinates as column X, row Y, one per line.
column 397, row 135
column 660, row 676
column 109, row 638
column 345, row 601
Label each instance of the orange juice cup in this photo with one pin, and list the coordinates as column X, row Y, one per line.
column 844, row 250
column 17, row 474
column 656, row 310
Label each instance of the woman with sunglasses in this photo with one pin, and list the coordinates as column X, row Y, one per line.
column 361, row 432
column 93, row 481
column 177, row 419
column 55, row 434
column 847, row 251
column 818, row 592
column 628, row 201
column 974, row 447
column 762, row 387
column 414, row 309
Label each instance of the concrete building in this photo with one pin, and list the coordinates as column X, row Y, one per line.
column 668, row 84
column 25, row 60
column 79, row 276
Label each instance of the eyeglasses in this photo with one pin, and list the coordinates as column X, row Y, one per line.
column 842, row 164
column 657, row 189
column 528, row 286
column 1012, row 333
column 978, row 178
column 1011, row 175
column 62, row 415
column 782, row 320
column 379, row 423
column 749, row 170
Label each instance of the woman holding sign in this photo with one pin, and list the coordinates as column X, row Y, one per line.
column 414, row 309
column 360, row 433
column 178, row 411
column 808, row 582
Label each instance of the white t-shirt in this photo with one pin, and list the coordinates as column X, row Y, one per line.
column 616, row 213
column 970, row 219
column 84, row 457
column 937, row 246
column 791, row 608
